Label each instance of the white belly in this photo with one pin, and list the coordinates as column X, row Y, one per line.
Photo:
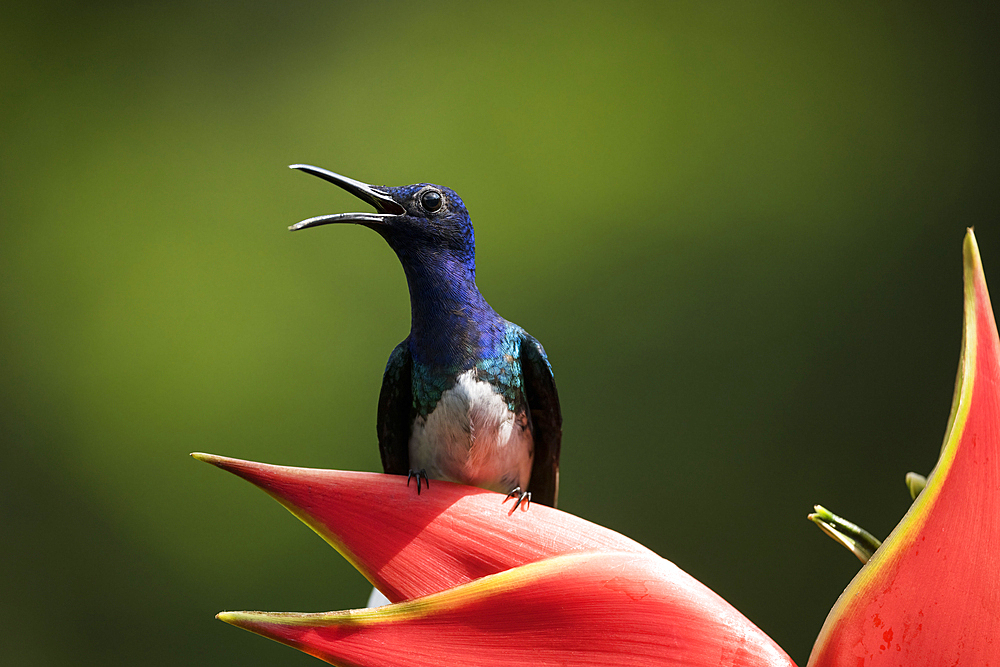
column 472, row 437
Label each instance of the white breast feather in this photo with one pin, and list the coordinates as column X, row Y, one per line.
column 472, row 437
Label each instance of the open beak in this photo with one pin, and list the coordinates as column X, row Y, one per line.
column 384, row 204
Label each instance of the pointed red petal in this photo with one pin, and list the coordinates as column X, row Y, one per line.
column 931, row 594
column 581, row 609
column 410, row 545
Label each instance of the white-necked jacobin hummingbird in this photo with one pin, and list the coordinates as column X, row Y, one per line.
column 468, row 396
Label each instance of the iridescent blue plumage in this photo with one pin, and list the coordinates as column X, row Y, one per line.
column 499, row 364
column 467, row 396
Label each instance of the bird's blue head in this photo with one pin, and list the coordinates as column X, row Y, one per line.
column 427, row 225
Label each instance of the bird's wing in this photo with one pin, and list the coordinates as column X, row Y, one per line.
column 546, row 421
column 395, row 411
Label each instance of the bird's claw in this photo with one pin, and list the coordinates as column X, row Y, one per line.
column 522, row 497
column 418, row 474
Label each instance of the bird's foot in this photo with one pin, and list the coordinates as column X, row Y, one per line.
column 522, row 497
column 418, row 474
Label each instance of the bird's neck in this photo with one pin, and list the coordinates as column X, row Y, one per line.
column 451, row 325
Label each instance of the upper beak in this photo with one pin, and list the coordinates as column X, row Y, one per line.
column 383, row 203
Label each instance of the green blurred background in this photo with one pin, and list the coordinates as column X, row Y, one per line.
column 736, row 229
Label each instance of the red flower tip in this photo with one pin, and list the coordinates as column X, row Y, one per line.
column 411, row 545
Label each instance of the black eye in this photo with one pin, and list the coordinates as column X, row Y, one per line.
column 431, row 200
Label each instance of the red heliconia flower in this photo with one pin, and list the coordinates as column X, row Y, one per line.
column 930, row 595
column 540, row 587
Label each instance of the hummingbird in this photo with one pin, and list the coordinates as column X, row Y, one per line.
column 467, row 396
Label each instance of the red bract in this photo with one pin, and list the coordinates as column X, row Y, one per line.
column 931, row 594
column 576, row 610
column 410, row 545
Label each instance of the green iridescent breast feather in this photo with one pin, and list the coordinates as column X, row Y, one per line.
column 501, row 368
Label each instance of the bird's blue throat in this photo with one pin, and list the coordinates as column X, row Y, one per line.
column 451, row 325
